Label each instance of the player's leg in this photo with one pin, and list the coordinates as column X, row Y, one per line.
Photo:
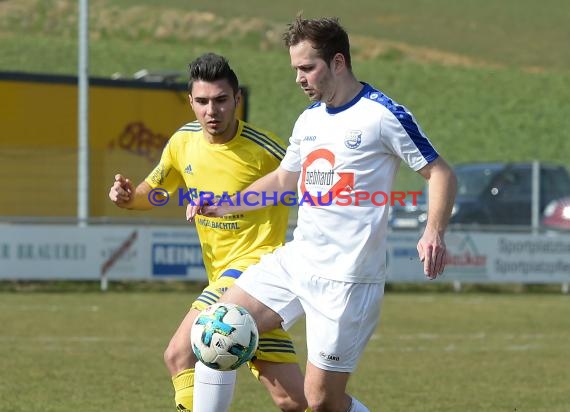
column 339, row 325
column 213, row 390
column 276, row 367
column 265, row 318
column 326, row 390
column 264, row 290
column 180, row 360
column 284, row 382
column 275, row 358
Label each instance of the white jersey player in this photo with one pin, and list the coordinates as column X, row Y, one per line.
column 344, row 151
column 346, row 155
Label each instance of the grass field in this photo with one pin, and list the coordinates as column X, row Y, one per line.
column 433, row 352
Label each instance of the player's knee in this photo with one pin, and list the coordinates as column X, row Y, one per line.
column 319, row 402
column 284, row 382
column 290, row 399
column 316, row 403
column 176, row 358
column 169, row 355
column 288, row 403
column 318, row 406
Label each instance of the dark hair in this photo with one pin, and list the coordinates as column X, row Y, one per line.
column 210, row 67
column 326, row 35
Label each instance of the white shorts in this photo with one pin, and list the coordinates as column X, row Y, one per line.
column 340, row 316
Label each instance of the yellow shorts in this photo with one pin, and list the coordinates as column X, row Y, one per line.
column 274, row 346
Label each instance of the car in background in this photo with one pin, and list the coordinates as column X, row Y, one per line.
column 493, row 194
column 410, row 215
column 501, row 193
column 557, row 214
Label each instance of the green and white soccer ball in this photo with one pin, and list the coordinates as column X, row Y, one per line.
column 224, row 336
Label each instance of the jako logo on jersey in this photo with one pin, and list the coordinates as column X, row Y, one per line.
column 329, row 357
column 188, row 169
column 353, row 138
column 309, row 138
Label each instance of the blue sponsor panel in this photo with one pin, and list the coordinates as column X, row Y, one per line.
column 176, row 259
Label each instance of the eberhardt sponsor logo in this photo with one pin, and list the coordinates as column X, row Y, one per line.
column 319, row 177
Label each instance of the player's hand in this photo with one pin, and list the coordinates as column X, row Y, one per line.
column 122, row 191
column 206, row 209
column 432, row 252
column 191, row 211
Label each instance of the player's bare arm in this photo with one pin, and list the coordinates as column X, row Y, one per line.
column 124, row 194
column 442, row 186
column 279, row 181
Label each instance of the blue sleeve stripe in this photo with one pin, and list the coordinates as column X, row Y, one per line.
column 264, row 141
column 406, row 120
column 412, row 129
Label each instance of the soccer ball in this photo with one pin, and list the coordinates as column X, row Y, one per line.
column 224, row 336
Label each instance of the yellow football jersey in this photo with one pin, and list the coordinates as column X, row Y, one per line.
column 191, row 164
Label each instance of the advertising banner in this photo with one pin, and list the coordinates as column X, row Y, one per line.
column 59, row 252
column 125, row 252
column 487, row 257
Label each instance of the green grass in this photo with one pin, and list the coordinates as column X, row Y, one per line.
column 509, row 32
column 439, row 352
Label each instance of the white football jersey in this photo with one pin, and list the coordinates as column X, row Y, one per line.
column 348, row 157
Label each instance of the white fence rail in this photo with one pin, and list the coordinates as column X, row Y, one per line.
column 131, row 252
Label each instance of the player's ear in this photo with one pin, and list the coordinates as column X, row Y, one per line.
column 338, row 61
column 190, row 100
column 237, row 98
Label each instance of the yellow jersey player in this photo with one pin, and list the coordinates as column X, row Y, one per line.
column 214, row 157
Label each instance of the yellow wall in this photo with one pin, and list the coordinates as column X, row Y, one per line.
column 129, row 123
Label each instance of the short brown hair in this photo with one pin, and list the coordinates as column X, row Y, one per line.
column 326, row 35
